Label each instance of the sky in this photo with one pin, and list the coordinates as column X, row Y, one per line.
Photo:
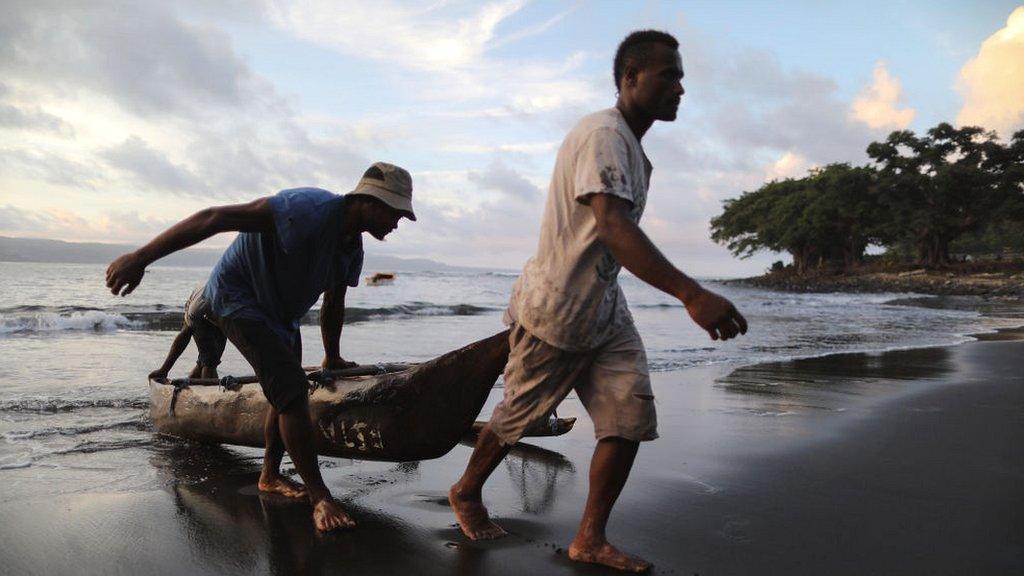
column 117, row 119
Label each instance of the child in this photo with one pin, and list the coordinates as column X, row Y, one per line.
column 209, row 340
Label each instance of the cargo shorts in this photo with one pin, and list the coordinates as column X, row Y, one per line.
column 612, row 382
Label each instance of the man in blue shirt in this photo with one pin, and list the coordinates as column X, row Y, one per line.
column 292, row 247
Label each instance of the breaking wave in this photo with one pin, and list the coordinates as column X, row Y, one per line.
column 43, row 319
column 55, row 405
column 138, row 422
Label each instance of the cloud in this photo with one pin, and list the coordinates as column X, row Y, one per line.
column 167, row 103
column 40, row 165
column 449, row 48
column 498, row 176
column 876, row 106
column 38, row 223
column 518, row 148
column 64, row 224
column 150, row 167
column 992, row 82
column 14, row 220
column 790, row 165
column 429, row 38
column 748, row 108
column 33, row 119
column 133, row 227
column 140, row 54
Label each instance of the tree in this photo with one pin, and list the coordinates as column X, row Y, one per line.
column 844, row 211
column 825, row 217
column 937, row 187
column 765, row 220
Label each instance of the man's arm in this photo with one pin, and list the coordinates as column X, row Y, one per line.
column 177, row 347
column 332, row 320
column 125, row 273
column 634, row 250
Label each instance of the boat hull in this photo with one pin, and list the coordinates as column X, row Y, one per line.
column 416, row 414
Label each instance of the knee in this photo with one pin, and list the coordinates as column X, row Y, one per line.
column 619, row 442
column 299, row 405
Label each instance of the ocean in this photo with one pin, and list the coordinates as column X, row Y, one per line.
column 73, row 393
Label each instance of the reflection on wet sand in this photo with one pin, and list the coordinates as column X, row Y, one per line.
column 233, row 528
column 538, row 473
column 238, row 529
column 824, row 383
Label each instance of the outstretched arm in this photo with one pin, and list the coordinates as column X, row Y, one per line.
column 125, row 273
column 634, row 250
column 332, row 320
column 177, row 347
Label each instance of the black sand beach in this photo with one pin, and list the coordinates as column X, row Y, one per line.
column 905, row 462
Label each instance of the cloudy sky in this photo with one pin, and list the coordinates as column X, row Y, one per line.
column 119, row 118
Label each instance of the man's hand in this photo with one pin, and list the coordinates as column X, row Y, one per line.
column 716, row 315
column 125, row 273
column 158, row 374
column 336, row 363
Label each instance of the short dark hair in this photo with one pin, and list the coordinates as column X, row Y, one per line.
column 636, row 47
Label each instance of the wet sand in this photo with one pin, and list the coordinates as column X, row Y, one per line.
column 906, row 462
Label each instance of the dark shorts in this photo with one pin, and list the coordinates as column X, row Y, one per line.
column 277, row 365
column 209, row 339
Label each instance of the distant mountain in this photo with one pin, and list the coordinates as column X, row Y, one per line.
column 40, row 250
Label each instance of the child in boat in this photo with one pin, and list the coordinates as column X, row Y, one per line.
column 209, row 340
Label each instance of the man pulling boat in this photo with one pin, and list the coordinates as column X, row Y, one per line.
column 570, row 326
column 291, row 248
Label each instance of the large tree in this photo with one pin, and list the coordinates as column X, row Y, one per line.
column 825, row 217
column 937, row 187
column 844, row 211
column 765, row 219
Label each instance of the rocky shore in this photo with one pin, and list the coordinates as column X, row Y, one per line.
column 1005, row 282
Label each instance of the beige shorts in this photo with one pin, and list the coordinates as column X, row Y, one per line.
column 612, row 382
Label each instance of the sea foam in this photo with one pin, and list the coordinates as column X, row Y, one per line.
column 95, row 320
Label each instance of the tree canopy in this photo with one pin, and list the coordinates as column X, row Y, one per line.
column 921, row 191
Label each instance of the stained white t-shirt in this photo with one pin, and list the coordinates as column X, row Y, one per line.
column 568, row 294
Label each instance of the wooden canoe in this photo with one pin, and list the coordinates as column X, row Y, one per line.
column 414, row 414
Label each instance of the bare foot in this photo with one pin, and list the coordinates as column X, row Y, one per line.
column 607, row 555
column 472, row 518
column 283, row 486
column 328, row 515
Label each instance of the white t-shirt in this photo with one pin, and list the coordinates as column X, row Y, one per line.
column 568, row 294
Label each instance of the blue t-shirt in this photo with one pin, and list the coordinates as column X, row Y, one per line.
column 277, row 277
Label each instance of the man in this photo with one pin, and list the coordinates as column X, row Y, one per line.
column 195, row 325
column 292, row 248
column 570, row 327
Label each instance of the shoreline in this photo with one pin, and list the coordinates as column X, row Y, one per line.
column 1006, row 284
column 887, row 462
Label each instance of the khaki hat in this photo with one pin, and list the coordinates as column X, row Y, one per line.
column 389, row 184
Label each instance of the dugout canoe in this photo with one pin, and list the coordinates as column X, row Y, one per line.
column 414, row 414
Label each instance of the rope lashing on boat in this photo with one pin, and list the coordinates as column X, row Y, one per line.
column 174, row 396
column 322, row 378
column 230, row 383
